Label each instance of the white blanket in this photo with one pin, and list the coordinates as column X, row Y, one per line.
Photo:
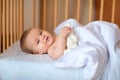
column 98, row 51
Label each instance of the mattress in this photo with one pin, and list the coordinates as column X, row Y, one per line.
column 18, row 65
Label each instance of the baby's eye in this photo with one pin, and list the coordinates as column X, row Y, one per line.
column 40, row 32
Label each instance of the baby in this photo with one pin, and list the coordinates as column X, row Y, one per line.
column 37, row 41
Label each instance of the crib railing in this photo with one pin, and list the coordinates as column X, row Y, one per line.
column 11, row 22
column 77, row 11
column 56, row 5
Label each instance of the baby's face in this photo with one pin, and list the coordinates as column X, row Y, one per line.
column 39, row 41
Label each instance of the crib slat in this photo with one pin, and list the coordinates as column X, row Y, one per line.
column 18, row 19
column 14, row 20
column 78, row 10
column 66, row 9
column 90, row 10
column 34, row 13
column 21, row 17
column 55, row 13
column 101, row 9
column 0, row 26
column 3, row 25
column 44, row 14
column 113, row 11
column 7, row 22
column 11, row 22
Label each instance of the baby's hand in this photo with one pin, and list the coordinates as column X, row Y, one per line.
column 65, row 32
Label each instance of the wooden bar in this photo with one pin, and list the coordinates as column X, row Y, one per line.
column 3, row 26
column 90, row 10
column 66, row 9
column 44, row 14
column 78, row 10
column 18, row 19
column 7, row 21
column 55, row 13
column 11, row 22
column 21, row 17
column 0, row 25
column 34, row 13
column 113, row 11
column 14, row 25
column 101, row 9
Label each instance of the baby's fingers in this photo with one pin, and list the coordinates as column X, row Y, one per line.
column 68, row 29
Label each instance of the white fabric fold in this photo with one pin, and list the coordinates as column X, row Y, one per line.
column 98, row 48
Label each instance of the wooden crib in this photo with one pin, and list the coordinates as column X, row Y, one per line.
column 49, row 13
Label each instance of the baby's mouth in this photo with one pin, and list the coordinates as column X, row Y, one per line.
column 47, row 38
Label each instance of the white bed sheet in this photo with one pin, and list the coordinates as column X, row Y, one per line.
column 17, row 65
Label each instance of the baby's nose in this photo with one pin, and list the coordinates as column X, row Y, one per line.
column 43, row 38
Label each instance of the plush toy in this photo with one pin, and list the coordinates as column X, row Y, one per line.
column 71, row 41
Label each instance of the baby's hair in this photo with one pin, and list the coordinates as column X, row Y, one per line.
column 22, row 41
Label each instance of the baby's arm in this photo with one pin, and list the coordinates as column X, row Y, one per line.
column 59, row 46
